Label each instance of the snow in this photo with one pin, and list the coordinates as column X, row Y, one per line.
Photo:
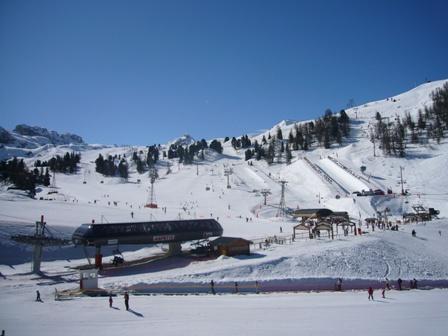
column 348, row 313
column 201, row 192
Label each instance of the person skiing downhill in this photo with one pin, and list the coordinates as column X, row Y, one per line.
column 110, row 300
column 370, row 291
column 383, row 293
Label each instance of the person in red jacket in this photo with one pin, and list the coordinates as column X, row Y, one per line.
column 370, row 291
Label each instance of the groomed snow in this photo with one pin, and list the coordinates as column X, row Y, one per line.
column 348, row 313
column 201, row 192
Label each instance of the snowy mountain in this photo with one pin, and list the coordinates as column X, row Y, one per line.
column 317, row 178
column 29, row 141
column 31, row 137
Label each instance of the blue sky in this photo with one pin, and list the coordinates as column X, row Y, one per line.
column 144, row 72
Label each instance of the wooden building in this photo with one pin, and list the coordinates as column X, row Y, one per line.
column 230, row 246
column 317, row 220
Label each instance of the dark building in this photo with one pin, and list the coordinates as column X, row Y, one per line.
column 230, row 246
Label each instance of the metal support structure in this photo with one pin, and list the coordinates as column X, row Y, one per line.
column 38, row 240
column 401, row 180
column 53, row 179
column 265, row 193
column 228, row 172
column 151, row 203
column 174, row 249
column 282, row 205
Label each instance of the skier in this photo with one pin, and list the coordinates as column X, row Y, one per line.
column 415, row 283
column 370, row 291
column 339, row 284
column 132, row 214
column 383, row 293
column 212, row 287
column 126, row 300
column 38, row 299
column 399, row 281
column 257, row 288
column 387, row 284
column 414, row 233
column 110, row 300
column 236, row 288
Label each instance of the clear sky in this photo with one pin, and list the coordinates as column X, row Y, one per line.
column 144, row 72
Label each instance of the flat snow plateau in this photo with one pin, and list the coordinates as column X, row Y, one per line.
column 348, row 313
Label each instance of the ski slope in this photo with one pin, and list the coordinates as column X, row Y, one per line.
column 200, row 191
column 349, row 182
column 349, row 314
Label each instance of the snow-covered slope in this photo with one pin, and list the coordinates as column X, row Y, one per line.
column 200, row 191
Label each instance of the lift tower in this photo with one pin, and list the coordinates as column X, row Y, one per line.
column 228, row 172
column 265, row 193
column 39, row 240
column 282, row 205
column 151, row 197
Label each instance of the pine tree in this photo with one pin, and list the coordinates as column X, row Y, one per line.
column 279, row 133
column 216, row 146
column 123, row 169
column 248, row 154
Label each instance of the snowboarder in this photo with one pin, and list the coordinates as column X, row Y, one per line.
column 212, row 287
column 414, row 233
column 110, row 300
column 370, row 291
column 38, row 299
column 399, row 281
column 126, row 300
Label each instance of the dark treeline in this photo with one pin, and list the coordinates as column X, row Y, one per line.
column 430, row 124
column 112, row 166
column 324, row 132
column 186, row 154
column 66, row 164
column 146, row 161
column 16, row 172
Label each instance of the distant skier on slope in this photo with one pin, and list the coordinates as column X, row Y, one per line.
column 126, row 300
column 38, row 299
column 399, row 281
column 212, row 287
column 370, row 291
